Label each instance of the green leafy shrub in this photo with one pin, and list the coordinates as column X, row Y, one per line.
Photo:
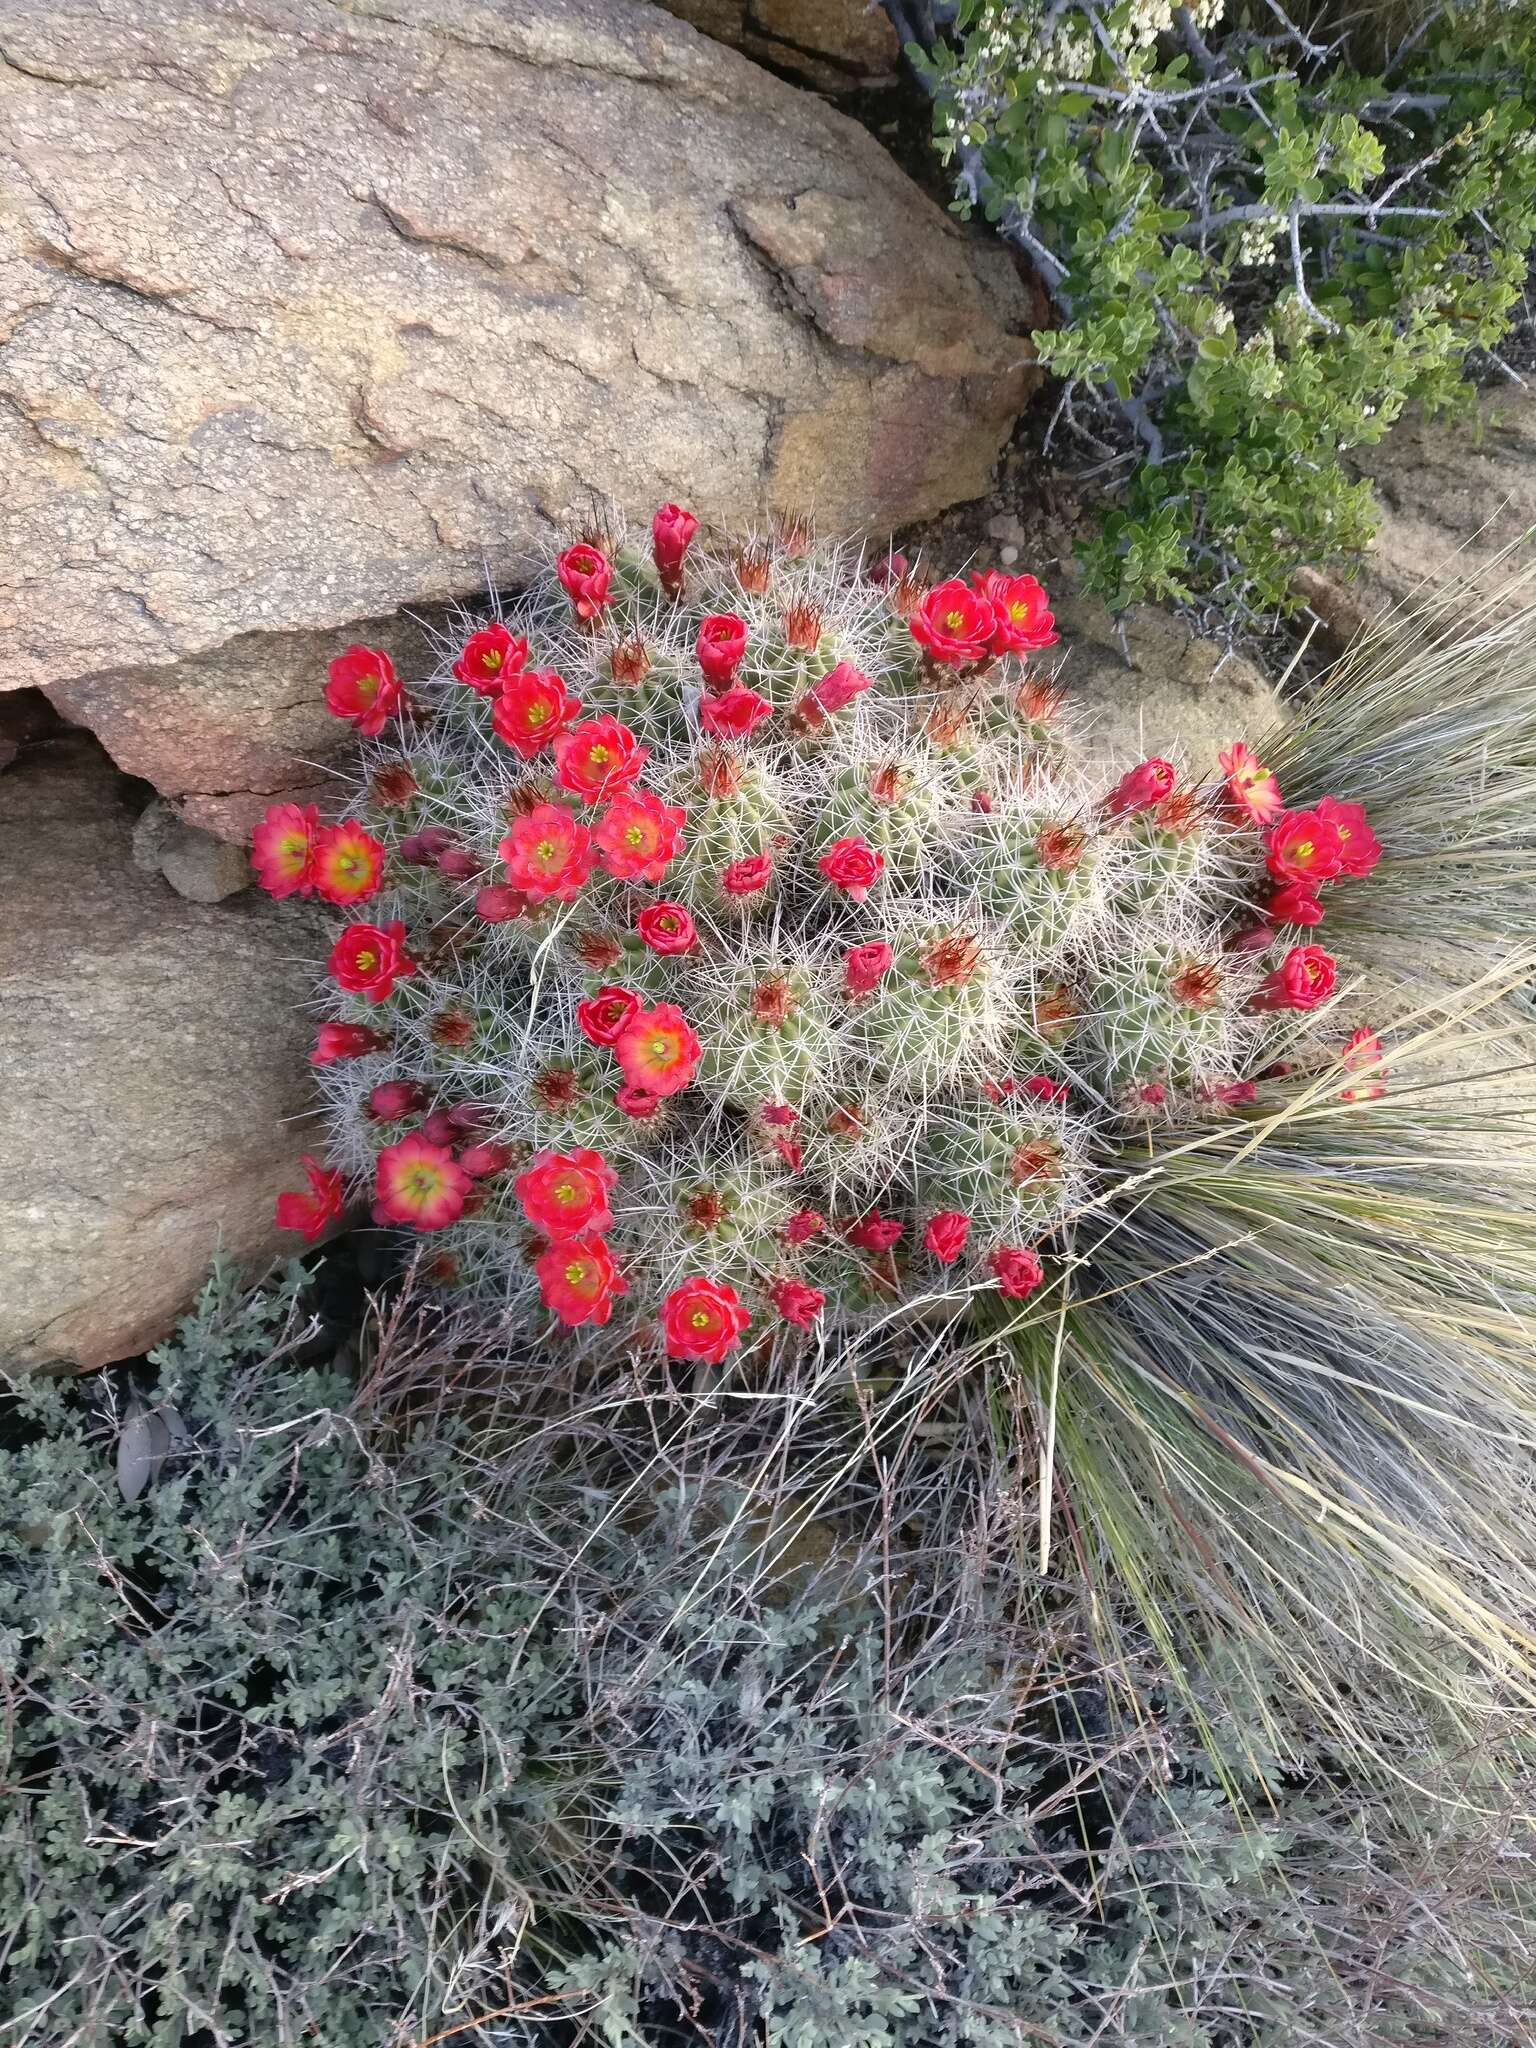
column 346, row 1730
column 1263, row 244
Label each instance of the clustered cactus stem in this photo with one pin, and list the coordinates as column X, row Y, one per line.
column 747, row 947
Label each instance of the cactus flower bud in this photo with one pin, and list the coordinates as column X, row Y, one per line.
column 945, row 1235
column 866, row 966
column 797, row 1302
column 1148, row 783
column 672, row 532
column 586, row 576
column 721, row 644
column 837, row 688
column 735, row 714
column 392, row 1100
column 1018, row 1271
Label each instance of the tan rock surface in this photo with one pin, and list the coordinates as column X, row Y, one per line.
column 312, row 312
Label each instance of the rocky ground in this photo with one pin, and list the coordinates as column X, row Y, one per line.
column 295, row 349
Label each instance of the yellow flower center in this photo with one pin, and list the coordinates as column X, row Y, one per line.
column 537, row 713
column 700, row 1319
column 662, row 1048
column 1304, row 850
column 575, row 1271
column 598, row 756
column 546, row 849
column 367, row 688
column 565, row 1192
column 1018, row 611
column 635, row 836
column 421, row 1183
column 954, row 621
column 367, row 960
column 491, row 660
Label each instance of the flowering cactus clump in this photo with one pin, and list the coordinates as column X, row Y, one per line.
column 736, row 941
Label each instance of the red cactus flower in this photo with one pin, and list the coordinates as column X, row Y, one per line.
column 312, row 1212
column 549, row 855
column 1235, row 1094
column 586, row 576
column 602, row 1018
column 1017, row 1270
column 1304, row 978
column 735, row 715
column 392, row 1100
column 803, row 1226
column 1252, row 791
column 579, row 1280
column 348, row 863
column 797, row 1302
column 283, row 848
column 954, row 624
column 836, row 690
column 853, row 866
column 874, row 1232
column 704, row 1320
column 480, row 1162
column 1302, row 846
column 638, row 1103
column 638, row 836
column 1363, row 1049
column 498, row 904
column 345, row 1042
column 658, row 1050
column 672, row 532
column 533, row 709
column 745, row 877
column 421, row 1184
column 1147, row 783
column 720, row 646
column 488, row 658
column 362, row 686
column 1022, row 611
column 598, row 758
column 1294, row 903
column 945, row 1235
column 565, row 1194
column 1043, row 1089
column 368, row 959
column 866, row 966
column 667, row 928
column 1359, row 848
